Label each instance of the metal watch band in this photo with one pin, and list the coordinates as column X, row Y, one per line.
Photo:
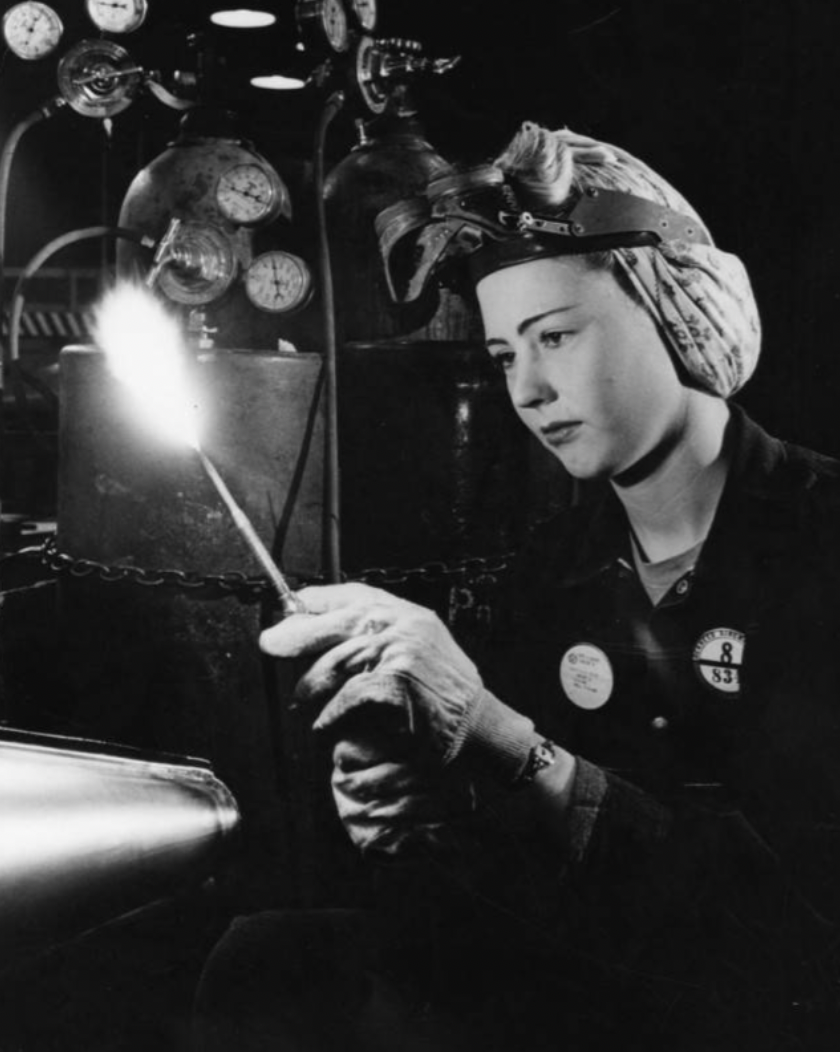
column 542, row 755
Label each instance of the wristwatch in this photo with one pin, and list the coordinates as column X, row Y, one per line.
column 542, row 755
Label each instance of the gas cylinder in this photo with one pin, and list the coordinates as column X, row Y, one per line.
column 392, row 161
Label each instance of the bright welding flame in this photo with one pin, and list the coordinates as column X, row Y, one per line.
column 145, row 349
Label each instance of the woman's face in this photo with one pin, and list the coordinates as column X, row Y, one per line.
column 585, row 366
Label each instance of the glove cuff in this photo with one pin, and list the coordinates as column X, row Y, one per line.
column 496, row 737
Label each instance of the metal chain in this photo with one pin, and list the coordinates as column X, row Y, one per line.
column 237, row 583
column 231, row 583
column 476, row 566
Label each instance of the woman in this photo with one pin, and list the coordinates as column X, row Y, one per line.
column 640, row 797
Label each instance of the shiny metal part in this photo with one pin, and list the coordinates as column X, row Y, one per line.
column 98, row 78
column 382, row 67
column 197, row 265
column 87, row 836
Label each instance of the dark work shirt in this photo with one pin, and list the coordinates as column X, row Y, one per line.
column 705, row 821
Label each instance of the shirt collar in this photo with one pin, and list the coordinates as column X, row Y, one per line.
column 756, row 499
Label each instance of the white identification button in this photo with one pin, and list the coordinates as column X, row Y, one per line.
column 586, row 676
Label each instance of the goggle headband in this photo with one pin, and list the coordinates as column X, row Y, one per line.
column 477, row 214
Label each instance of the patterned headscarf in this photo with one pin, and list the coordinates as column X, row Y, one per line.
column 699, row 296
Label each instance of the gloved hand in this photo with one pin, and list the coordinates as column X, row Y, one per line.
column 389, row 803
column 375, row 651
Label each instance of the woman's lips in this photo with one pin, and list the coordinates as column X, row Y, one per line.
column 561, row 432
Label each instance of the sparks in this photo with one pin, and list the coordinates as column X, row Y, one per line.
column 145, row 349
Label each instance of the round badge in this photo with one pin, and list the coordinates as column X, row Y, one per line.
column 718, row 657
column 586, row 676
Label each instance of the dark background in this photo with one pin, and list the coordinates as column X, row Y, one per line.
column 733, row 100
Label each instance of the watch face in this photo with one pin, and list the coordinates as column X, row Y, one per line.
column 32, row 30
column 365, row 12
column 246, row 194
column 117, row 16
column 278, row 282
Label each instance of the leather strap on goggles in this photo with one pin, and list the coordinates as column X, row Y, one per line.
column 458, row 215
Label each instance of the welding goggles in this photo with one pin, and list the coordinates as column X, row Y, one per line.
column 475, row 217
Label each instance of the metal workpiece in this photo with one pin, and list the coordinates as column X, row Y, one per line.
column 87, row 836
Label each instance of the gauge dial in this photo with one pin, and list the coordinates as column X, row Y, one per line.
column 365, row 13
column 369, row 80
column 98, row 78
column 200, row 267
column 117, row 16
column 32, row 30
column 249, row 193
column 323, row 20
column 278, row 282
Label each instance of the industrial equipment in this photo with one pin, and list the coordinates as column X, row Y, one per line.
column 90, row 833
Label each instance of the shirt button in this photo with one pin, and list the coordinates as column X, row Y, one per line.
column 682, row 587
column 659, row 723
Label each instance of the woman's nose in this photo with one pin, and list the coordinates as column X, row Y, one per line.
column 530, row 386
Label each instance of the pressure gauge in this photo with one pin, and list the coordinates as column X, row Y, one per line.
column 32, row 30
column 98, row 78
column 323, row 20
column 278, row 282
column 117, row 16
column 368, row 73
column 251, row 193
column 200, row 265
column 365, row 13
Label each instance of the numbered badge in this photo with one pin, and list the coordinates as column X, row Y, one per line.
column 718, row 657
column 586, row 676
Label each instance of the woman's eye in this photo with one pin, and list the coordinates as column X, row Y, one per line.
column 503, row 360
column 554, row 337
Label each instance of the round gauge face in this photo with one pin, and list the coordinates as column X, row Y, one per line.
column 334, row 20
column 117, row 16
column 278, row 282
column 201, row 265
column 368, row 80
column 98, row 78
column 324, row 20
column 32, row 30
column 365, row 12
column 247, row 194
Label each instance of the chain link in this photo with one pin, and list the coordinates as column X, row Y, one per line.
column 237, row 583
column 429, row 573
column 231, row 583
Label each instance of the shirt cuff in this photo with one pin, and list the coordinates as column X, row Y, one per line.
column 497, row 737
column 589, row 791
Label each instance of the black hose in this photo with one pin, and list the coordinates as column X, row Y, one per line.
column 333, row 477
column 17, row 374
column 45, row 253
column 6, row 158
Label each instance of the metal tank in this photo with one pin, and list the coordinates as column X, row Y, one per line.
column 89, row 835
column 392, row 161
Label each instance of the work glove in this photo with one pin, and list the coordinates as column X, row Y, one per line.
column 376, row 652
column 391, row 804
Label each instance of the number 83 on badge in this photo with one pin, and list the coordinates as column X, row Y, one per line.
column 718, row 656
